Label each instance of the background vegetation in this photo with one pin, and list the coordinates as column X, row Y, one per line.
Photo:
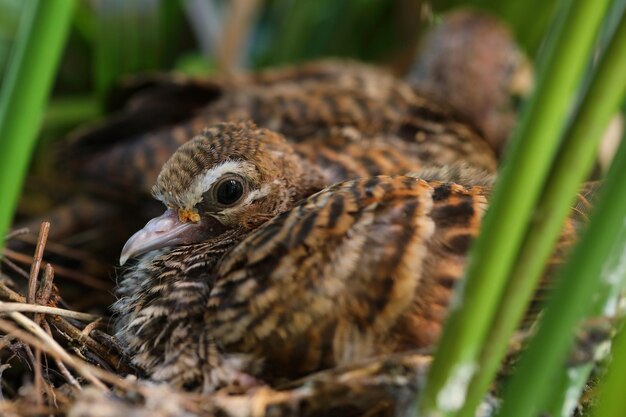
column 580, row 52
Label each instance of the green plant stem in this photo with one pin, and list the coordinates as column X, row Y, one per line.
column 578, row 282
column 528, row 161
column 572, row 165
column 566, row 393
column 127, row 39
column 606, row 303
column 107, row 65
column 28, row 81
column 611, row 400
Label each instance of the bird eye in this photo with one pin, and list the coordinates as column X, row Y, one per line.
column 229, row 191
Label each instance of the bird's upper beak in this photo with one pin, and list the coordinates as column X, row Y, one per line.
column 163, row 231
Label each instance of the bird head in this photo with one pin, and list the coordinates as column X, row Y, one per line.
column 471, row 62
column 232, row 176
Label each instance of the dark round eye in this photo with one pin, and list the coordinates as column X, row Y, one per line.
column 229, row 191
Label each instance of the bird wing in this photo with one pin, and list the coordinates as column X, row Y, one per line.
column 361, row 268
column 329, row 281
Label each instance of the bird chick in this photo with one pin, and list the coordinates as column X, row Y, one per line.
column 471, row 61
column 305, row 104
column 216, row 189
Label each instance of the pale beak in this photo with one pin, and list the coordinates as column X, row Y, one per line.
column 163, row 231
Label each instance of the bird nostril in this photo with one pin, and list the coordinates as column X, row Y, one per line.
column 188, row 216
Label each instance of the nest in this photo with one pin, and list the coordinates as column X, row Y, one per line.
column 58, row 361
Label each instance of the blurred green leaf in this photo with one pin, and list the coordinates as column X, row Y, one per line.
column 132, row 37
column 578, row 282
column 66, row 112
column 522, row 177
column 294, row 31
column 10, row 11
column 611, row 400
column 195, row 64
column 39, row 42
column 573, row 163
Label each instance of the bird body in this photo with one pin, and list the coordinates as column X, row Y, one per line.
column 471, row 61
column 324, row 107
column 350, row 119
column 317, row 279
column 344, row 120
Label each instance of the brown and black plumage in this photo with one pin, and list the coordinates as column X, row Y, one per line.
column 318, row 106
column 463, row 90
column 265, row 278
column 356, row 117
column 471, row 62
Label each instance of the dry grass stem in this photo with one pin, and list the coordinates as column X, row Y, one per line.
column 15, row 267
column 62, row 368
column 17, row 232
column 34, row 308
column 91, row 327
column 71, row 274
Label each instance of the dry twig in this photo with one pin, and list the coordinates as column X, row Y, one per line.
column 55, row 349
column 31, row 297
column 104, row 375
column 36, row 265
column 62, row 368
column 72, row 333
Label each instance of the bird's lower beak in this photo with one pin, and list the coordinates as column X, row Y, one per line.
column 160, row 232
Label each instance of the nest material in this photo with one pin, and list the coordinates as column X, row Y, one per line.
column 58, row 361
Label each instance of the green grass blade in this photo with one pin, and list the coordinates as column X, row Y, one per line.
column 611, row 401
column 10, row 11
column 567, row 391
column 127, row 40
column 528, row 161
column 572, row 165
column 25, row 89
column 606, row 304
column 579, row 281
